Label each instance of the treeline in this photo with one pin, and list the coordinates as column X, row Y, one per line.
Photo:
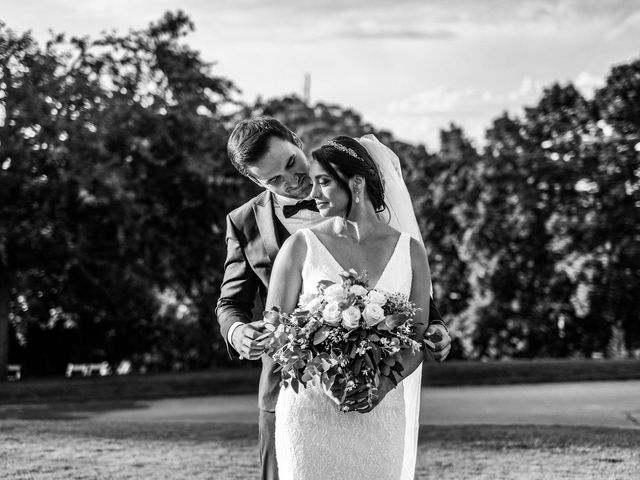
column 114, row 185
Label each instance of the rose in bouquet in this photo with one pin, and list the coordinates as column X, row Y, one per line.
column 343, row 337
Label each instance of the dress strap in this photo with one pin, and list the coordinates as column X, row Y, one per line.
column 405, row 238
column 315, row 253
column 403, row 249
column 407, row 248
column 398, row 274
column 307, row 235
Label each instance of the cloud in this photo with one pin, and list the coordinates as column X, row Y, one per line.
column 528, row 88
column 437, row 100
column 426, row 129
column 487, row 13
column 312, row 21
column 588, row 83
column 449, row 19
column 629, row 24
column 469, row 101
column 421, row 116
column 392, row 33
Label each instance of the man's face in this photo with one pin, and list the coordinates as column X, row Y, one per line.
column 283, row 170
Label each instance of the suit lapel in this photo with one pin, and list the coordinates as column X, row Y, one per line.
column 265, row 219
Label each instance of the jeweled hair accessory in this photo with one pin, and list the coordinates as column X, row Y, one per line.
column 342, row 148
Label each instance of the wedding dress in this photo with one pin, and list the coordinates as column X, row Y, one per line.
column 314, row 439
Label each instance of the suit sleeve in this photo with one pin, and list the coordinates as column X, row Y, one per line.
column 434, row 314
column 239, row 286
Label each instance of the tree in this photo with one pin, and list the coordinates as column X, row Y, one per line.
column 556, row 218
column 114, row 186
column 444, row 191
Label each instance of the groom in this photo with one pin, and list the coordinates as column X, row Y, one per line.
column 271, row 155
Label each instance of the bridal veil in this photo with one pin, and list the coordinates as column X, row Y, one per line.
column 402, row 218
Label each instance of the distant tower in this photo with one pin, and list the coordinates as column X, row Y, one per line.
column 307, row 88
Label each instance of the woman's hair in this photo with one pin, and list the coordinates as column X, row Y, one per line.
column 344, row 158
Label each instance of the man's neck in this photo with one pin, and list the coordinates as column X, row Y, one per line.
column 281, row 200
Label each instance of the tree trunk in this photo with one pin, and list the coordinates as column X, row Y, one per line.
column 4, row 322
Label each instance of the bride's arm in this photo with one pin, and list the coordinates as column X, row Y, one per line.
column 420, row 288
column 420, row 285
column 286, row 276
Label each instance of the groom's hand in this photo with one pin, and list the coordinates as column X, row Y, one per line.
column 438, row 341
column 249, row 340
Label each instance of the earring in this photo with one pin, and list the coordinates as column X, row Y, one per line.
column 356, row 190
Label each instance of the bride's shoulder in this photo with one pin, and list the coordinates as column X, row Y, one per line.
column 294, row 247
column 390, row 233
column 291, row 257
column 393, row 236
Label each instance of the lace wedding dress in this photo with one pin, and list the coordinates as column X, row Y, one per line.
column 314, row 439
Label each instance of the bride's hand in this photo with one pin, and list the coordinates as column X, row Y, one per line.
column 357, row 401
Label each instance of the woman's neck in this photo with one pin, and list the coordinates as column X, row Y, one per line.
column 359, row 225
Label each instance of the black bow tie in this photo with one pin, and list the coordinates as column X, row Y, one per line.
column 290, row 210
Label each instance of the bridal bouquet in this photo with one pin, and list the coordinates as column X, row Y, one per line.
column 344, row 337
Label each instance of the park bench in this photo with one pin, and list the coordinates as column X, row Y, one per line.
column 88, row 369
column 14, row 372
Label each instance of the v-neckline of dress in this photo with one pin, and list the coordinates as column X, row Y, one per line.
column 342, row 269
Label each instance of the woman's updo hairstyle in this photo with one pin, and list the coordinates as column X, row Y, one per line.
column 343, row 158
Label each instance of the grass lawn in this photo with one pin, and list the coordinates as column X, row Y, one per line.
column 93, row 450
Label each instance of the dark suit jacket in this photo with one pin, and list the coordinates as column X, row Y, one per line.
column 254, row 236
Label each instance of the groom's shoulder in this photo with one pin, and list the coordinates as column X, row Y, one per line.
column 245, row 212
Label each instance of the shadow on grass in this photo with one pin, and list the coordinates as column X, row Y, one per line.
column 483, row 437
column 528, row 437
column 64, row 411
column 130, row 387
column 133, row 431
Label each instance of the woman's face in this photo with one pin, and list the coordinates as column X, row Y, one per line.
column 331, row 198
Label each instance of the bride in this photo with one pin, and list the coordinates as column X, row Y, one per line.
column 315, row 439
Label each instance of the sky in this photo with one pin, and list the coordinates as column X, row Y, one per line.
column 410, row 66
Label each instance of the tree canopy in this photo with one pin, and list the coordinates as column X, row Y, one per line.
column 113, row 190
column 114, row 186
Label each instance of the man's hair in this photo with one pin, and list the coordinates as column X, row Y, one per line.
column 249, row 140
